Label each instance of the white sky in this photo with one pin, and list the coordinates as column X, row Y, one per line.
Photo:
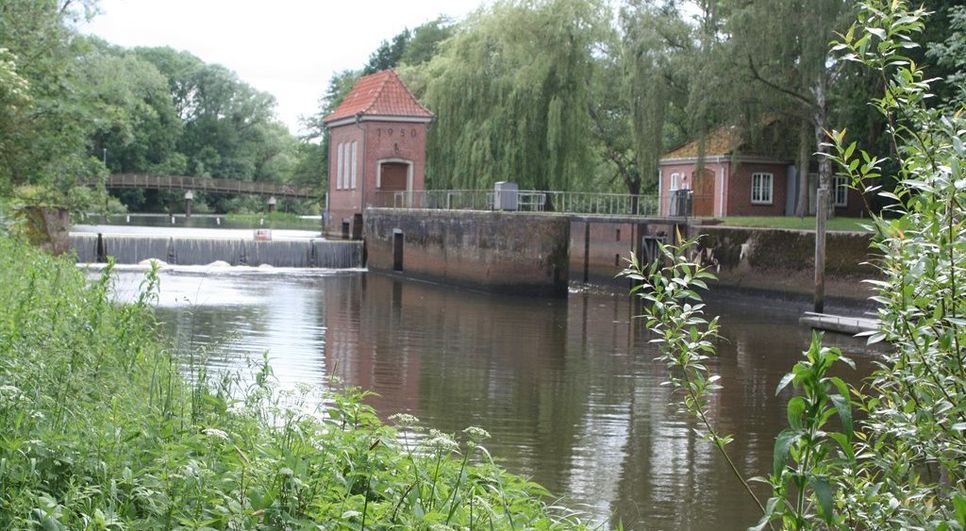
column 289, row 48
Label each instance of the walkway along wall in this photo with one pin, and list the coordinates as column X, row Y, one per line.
column 512, row 252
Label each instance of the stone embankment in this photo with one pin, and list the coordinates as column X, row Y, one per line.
column 782, row 260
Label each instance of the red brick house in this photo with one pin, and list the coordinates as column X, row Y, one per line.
column 738, row 181
column 377, row 145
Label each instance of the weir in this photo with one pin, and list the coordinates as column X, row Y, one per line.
column 133, row 249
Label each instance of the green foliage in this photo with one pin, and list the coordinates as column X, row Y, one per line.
column 388, row 54
column 675, row 314
column 45, row 127
column 425, row 41
column 809, row 456
column 903, row 466
column 100, row 430
column 71, row 105
column 913, row 472
column 510, row 92
column 950, row 53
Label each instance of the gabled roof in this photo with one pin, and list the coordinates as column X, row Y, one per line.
column 730, row 140
column 720, row 142
column 380, row 94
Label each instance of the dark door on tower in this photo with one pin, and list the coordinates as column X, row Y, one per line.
column 393, row 176
column 703, row 186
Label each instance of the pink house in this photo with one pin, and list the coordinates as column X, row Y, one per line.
column 377, row 146
column 738, row 182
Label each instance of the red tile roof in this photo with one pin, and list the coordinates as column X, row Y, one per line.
column 382, row 94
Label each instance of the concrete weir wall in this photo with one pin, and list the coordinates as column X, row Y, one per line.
column 132, row 249
column 780, row 260
column 497, row 251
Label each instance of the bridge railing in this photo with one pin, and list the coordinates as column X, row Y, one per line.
column 537, row 201
column 208, row 184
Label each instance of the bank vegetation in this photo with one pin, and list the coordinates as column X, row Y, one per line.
column 101, row 430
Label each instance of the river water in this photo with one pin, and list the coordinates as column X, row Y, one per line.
column 567, row 387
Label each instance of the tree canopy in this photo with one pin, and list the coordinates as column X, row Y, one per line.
column 587, row 95
column 74, row 107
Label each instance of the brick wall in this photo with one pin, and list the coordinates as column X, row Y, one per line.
column 739, row 190
column 376, row 141
column 499, row 251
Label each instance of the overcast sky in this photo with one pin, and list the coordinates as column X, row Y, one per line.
column 289, row 48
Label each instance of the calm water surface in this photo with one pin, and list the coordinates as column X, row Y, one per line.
column 567, row 387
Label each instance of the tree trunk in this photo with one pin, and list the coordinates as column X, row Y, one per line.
column 805, row 139
column 820, row 122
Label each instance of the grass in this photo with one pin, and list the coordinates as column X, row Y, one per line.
column 274, row 220
column 100, row 430
column 794, row 222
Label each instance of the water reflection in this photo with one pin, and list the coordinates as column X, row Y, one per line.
column 568, row 388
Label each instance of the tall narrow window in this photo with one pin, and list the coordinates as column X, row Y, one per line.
column 675, row 181
column 840, row 191
column 354, row 166
column 338, row 166
column 761, row 188
column 345, row 170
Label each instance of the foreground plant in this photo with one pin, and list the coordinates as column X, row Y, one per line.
column 808, row 454
column 904, row 466
column 675, row 314
column 912, row 470
column 98, row 430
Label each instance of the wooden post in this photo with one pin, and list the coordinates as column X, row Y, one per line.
column 821, row 212
column 189, row 197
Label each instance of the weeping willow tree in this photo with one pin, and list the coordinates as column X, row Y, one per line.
column 657, row 51
column 510, row 91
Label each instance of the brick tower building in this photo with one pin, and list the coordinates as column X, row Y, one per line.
column 377, row 149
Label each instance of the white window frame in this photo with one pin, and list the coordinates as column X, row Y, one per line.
column 338, row 165
column 840, row 184
column 675, row 182
column 765, row 194
column 354, row 165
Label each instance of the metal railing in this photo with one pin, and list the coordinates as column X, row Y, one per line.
column 679, row 204
column 207, row 184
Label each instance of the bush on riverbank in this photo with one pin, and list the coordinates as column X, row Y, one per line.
column 99, row 430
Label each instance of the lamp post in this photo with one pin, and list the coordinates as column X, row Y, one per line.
column 271, row 204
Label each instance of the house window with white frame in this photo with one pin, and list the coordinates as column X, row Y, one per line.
column 762, row 188
column 840, row 191
column 354, row 165
column 675, row 181
column 338, row 165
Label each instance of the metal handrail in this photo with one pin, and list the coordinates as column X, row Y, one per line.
column 207, row 184
column 538, row 201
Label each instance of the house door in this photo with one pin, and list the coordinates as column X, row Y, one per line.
column 394, row 176
column 703, row 186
